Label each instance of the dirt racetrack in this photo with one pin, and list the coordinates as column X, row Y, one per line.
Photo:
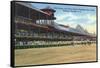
column 54, row 55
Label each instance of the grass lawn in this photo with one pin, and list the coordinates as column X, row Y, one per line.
column 54, row 55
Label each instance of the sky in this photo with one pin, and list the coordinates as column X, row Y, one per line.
column 72, row 15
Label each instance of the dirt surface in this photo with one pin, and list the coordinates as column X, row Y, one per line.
column 54, row 55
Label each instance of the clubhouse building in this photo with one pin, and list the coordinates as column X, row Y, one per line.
column 38, row 27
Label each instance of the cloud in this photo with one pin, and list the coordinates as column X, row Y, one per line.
column 66, row 16
column 88, row 21
column 77, row 19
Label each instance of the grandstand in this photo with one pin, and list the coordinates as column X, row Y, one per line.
column 38, row 27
